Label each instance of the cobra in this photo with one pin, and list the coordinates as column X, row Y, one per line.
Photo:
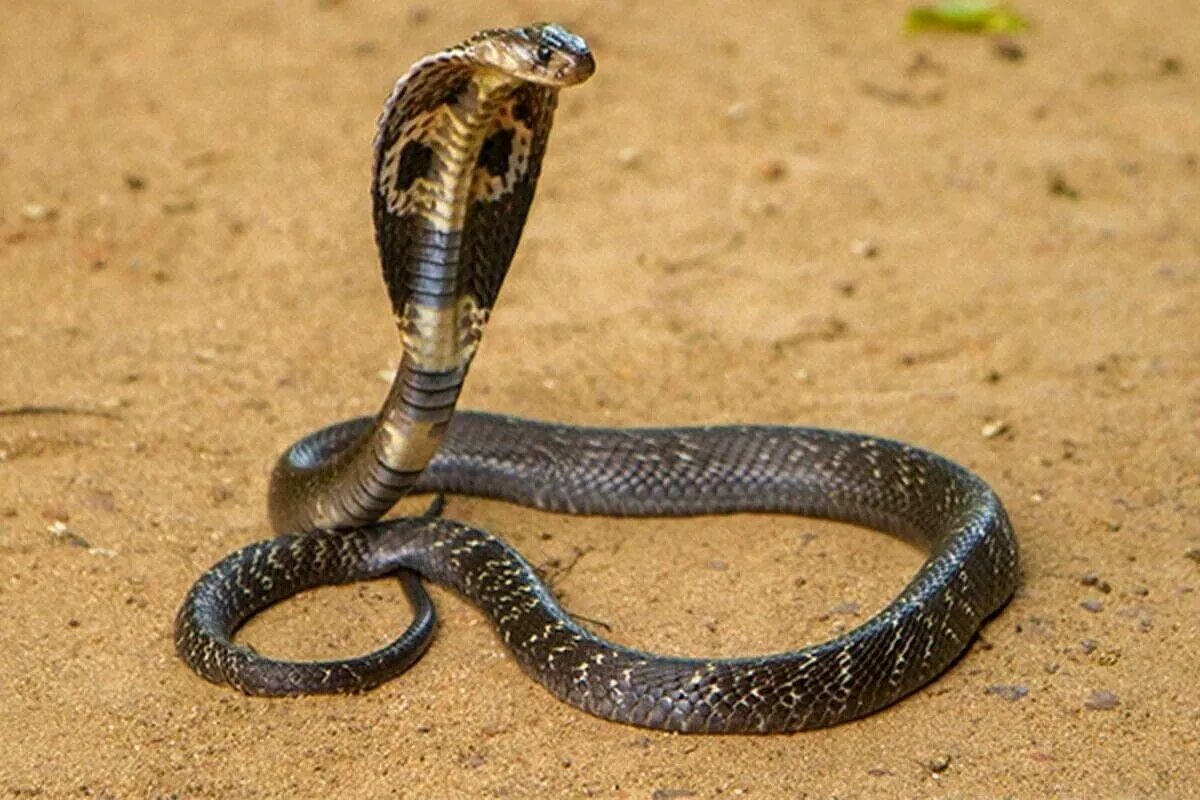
column 457, row 157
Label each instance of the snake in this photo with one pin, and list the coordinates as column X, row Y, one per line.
column 457, row 155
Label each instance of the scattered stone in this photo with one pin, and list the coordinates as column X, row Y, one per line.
column 772, row 169
column 424, row 727
column 993, row 376
column 1094, row 606
column 205, row 355
column 846, row 288
column 1170, row 66
column 1193, row 554
column 1139, row 591
column 1091, row 579
column 1010, row 692
column 671, row 794
column 1088, row 646
column 61, row 533
column 864, row 248
column 134, row 181
column 737, row 111
column 1008, row 49
column 846, row 607
column 1102, row 700
column 939, row 764
column 37, row 212
column 1056, row 184
column 718, row 565
column 220, row 493
column 993, row 428
column 1037, row 496
column 802, row 375
column 629, row 157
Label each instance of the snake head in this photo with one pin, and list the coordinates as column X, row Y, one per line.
column 542, row 53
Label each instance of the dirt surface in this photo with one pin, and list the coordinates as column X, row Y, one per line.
column 783, row 214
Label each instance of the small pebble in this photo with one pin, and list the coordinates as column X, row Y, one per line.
column 629, row 157
column 939, row 764
column 59, row 530
column 737, row 111
column 135, row 182
column 671, row 794
column 1008, row 49
column 1102, row 700
column 1056, row 184
column 1092, row 579
column 36, row 212
column 993, row 428
column 773, row 169
column 1193, row 554
column 864, row 248
column 1088, row 646
column 1094, row 606
column 1010, row 692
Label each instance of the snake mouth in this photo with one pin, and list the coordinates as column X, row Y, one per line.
column 581, row 68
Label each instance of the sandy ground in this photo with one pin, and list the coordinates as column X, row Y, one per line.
column 185, row 248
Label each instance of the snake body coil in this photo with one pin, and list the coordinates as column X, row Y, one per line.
column 457, row 159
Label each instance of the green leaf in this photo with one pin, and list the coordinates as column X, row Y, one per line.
column 964, row 16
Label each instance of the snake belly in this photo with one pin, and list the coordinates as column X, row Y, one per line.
column 458, row 154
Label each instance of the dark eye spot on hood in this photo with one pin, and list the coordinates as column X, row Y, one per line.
column 415, row 160
column 496, row 152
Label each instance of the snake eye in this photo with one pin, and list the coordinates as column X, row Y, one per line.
column 543, row 55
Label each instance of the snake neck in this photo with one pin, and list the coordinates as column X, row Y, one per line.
column 431, row 166
column 457, row 158
column 426, row 181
